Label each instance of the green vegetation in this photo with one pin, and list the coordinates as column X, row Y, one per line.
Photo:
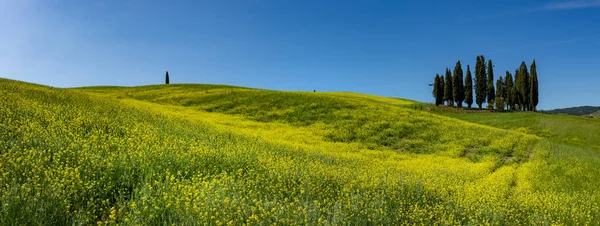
column 480, row 81
column 215, row 154
column 578, row 111
column 448, row 88
column 491, row 92
column 534, row 89
column 458, row 85
column 522, row 93
column 469, row 88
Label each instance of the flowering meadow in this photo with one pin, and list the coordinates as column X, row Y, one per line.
column 224, row 155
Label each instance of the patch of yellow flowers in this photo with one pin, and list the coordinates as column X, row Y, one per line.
column 71, row 157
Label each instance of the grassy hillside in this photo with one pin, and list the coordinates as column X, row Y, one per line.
column 205, row 154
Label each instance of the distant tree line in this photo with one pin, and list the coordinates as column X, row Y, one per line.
column 520, row 93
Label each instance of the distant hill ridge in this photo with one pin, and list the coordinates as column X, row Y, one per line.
column 578, row 111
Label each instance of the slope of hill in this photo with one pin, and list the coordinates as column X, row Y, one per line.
column 578, row 111
column 205, row 154
column 596, row 115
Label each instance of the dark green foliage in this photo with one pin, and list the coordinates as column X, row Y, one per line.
column 512, row 98
column 534, row 90
column 167, row 78
column 438, row 90
column 491, row 93
column 458, row 85
column 500, row 100
column 524, row 86
column 480, row 81
column 518, row 86
column 508, row 84
column 448, row 89
column 469, row 88
column 578, row 111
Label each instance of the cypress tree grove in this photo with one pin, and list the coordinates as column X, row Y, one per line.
column 448, row 89
column 491, row 94
column 469, row 88
column 480, row 81
column 534, row 90
column 508, row 83
column 167, row 78
column 458, row 85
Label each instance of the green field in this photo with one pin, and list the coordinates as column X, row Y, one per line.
column 224, row 155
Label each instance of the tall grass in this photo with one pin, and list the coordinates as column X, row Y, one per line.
column 186, row 155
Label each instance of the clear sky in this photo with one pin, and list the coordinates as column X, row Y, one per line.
column 390, row 48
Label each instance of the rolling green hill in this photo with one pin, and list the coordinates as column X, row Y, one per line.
column 215, row 154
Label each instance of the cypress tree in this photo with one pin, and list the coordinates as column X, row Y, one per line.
column 436, row 89
column 534, row 90
column 508, row 81
column 517, row 86
column 480, row 81
column 469, row 88
column 491, row 92
column 512, row 97
column 167, row 78
column 458, row 85
column 500, row 100
column 524, row 86
column 448, row 89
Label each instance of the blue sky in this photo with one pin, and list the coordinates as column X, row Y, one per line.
column 390, row 48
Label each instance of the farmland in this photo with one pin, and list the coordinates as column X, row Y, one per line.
column 225, row 155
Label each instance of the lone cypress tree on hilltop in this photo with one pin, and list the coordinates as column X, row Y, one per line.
column 167, row 78
column 469, row 88
column 534, row 90
column 448, row 89
column 491, row 92
column 458, row 85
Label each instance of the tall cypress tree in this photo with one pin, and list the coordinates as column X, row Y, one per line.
column 480, row 81
column 508, row 81
column 518, row 85
column 436, row 89
column 458, row 85
column 449, row 88
column 491, row 92
column 524, row 89
column 469, row 88
column 512, row 96
column 534, row 90
column 167, row 78
column 500, row 100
